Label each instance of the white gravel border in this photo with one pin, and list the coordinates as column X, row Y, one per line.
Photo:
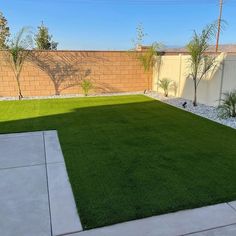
column 208, row 112
column 69, row 96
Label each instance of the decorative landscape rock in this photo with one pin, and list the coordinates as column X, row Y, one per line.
column 208, row 112
column 68, row 96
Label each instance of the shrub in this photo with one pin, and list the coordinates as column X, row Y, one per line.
column 165, row 85
column 228, row 106
column 86, row 86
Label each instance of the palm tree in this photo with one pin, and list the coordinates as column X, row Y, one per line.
column 200, row 62
column 149, row 58
column 17, row 53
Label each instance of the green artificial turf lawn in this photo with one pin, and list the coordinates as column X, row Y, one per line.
column 130, row 157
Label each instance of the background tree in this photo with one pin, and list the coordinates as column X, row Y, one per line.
column 140, row 35
column 200, row 61
column 43, row 39
column 17, row 52
column 4, row 32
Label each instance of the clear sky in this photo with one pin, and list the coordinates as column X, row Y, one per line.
column 110, row 24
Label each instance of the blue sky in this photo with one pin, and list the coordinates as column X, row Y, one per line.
column 110, row 24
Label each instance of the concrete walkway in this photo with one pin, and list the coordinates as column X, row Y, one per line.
column 35, row 194
column 36, row 198
column 216, row 220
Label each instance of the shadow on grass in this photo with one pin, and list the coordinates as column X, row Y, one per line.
column 132, row 157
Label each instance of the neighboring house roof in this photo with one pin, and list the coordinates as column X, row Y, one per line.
column 230, row 48
column 222, row 48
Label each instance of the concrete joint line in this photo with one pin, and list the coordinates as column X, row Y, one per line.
column 46, row 171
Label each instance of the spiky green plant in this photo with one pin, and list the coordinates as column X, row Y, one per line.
column 86, row 85
column 200, row 62
column 17, row 52
column 227, row 108
column 165, row 85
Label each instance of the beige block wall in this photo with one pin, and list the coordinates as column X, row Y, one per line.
column 48, row 72
column 118, row 71
column 176, row 68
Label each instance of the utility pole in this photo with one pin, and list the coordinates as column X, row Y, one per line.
column 219, row 25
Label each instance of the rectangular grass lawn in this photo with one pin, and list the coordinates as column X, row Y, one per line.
column 130, row 157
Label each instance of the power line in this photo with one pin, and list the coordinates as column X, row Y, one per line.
column 161, row 2
column 139, row 2
column 142, row 2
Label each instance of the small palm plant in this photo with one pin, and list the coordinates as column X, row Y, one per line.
column 228, row 106
column 165, row 85
column 86, row 85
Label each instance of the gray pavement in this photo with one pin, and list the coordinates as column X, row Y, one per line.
column 35, row 194
column 216, row 220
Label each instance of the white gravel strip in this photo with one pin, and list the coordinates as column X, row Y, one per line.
column 69, row 96
column 208, row 112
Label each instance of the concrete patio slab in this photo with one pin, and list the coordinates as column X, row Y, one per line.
column 19, row 150
column 53, row 147
column 59, row 188
column 22, row 134
column 35, row 193
column 232, row 204
column 60, row 193
column 221, row 231
column 173, row 224
column 24, row 206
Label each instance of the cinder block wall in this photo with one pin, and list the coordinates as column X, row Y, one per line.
column 60, row 72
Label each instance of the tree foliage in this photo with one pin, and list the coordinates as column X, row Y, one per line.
column 140, row 34
column 43, row 39
column 149, row 57
column 4, row 32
